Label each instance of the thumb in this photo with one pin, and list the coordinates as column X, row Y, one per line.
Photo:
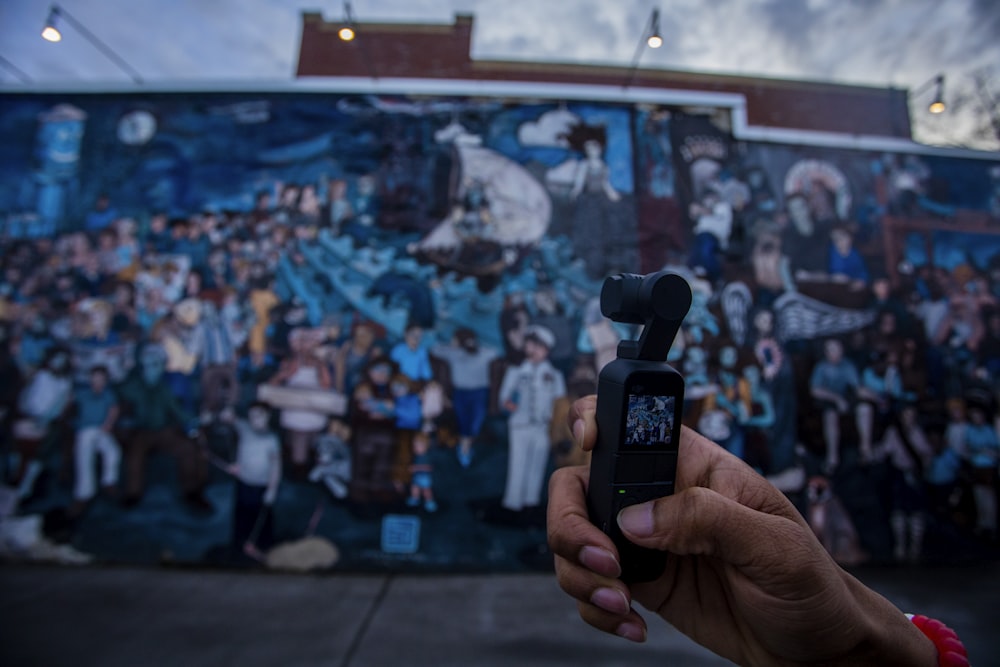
column 701, row 522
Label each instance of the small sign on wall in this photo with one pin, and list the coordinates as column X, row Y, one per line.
column 400, row 534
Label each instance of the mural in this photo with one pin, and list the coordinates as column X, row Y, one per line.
column 321, row 331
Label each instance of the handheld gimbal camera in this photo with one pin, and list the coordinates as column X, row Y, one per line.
column 640, row 399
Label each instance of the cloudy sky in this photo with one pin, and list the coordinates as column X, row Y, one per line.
column 901, row 43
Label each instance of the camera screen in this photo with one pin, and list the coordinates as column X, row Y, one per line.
column 650, row 421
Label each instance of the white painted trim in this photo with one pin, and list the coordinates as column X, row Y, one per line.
column 735, row 102
column 400, row 86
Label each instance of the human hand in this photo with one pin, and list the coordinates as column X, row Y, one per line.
column 747, row 577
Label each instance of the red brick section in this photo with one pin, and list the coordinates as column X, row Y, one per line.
column 440, row 51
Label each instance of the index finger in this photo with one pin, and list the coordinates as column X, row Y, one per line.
column 569, row 527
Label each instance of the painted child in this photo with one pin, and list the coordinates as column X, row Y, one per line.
column 257, row 470
column 421, row 474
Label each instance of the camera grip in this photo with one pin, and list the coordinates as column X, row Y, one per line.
column 640, row 401
column 633, row 463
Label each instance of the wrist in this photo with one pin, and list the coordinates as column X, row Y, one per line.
column 889, row 637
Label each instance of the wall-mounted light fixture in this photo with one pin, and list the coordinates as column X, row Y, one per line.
column 937, row 104
column 654, row 41
column 51, row 33
column 650, row 37
column 347, row 31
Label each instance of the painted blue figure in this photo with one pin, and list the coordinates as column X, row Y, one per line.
column 411, row 355
column 153, row 420
column 101, row 216
column 700, row 320
column 365, row 207
column 35, row 342
column 469, row 362
column 845, row 262
column 57, row 149
column 421, row 475
column 834, row 386
column 880, row 392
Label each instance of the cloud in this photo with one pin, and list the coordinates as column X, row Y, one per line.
column 874, row 42
column 549, row 130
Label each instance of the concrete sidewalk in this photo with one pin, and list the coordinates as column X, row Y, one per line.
column 108, row 616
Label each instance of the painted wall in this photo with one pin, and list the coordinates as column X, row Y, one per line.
column 254, row 328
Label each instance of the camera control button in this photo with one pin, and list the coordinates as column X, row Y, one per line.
column 634, row 470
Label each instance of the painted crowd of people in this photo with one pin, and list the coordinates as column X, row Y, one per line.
column 804, row 355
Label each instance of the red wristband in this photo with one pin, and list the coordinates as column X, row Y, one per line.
column 951, row 652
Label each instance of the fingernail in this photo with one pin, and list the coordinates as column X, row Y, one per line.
column 637, row 519
column 611, row 600
column 579, row 430
column 600, row 561
column 632, row 632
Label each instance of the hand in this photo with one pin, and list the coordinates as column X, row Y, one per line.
column 747, row 578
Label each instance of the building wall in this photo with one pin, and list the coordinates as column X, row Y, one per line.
column 444, row 52
column 275, row 249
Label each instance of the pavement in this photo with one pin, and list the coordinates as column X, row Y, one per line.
column 108, row 616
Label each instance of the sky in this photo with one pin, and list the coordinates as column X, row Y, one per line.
column 898, row 43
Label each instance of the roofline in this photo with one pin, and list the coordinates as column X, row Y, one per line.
column 695, row 77
column 735, row 102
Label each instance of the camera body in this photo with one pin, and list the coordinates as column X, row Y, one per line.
column 640, row 401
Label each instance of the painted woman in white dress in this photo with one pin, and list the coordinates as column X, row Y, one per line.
column 594, row 198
